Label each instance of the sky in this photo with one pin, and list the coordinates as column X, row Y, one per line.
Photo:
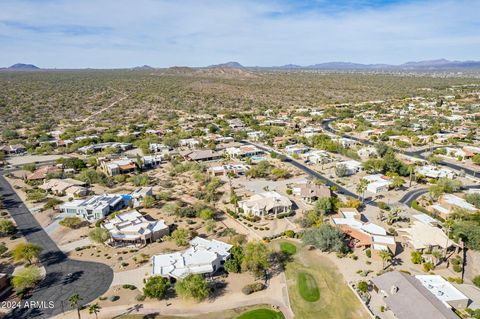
column 163, row 33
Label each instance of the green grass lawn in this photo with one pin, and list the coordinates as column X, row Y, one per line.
column 317, row 289
column 307, row 286
column 253, row 312
column 288, row 248
column 261, row 314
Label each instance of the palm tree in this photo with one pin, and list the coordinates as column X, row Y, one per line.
column 447, row 225
column 393, row 215
column 411, row 170
column 74, row 301
column 94, row 309
column 386, row 256
column 437, row 254
column 362, row 187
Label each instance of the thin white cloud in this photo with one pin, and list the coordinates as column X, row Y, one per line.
column 113, row 33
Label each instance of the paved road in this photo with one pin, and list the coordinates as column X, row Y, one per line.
column 88, row 279
column 418, row 154
column 340, row 189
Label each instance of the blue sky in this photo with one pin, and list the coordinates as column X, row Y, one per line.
column 162, row 33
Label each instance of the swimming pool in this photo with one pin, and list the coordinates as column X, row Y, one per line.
column 258, row 158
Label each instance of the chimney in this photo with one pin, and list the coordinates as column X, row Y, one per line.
column 393, row 290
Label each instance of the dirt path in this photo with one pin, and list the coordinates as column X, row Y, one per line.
column 106, row 108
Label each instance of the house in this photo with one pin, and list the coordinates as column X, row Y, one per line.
column 159, row 148
column 444, row 291
column 139, row 194
column 202, row 155
column 96, row 207
column 447, row 204
column 363, row 233
column 224, row 170
column 243, row 151
column 113, row 167
column 367, row 152
column 102, row 146
column 351, row 167
column 43, row 172
column 408, row 298
column 189, row 142
column 67, row 186
column 317, row 156
column 377, row 183
column 13, row 149
column 255, row 135
column 151, row 161
column 435, row 172
column 203, row 257
column 134, row 228
column 422, row 236
column 266, row 203
column 311, row 192
column 296, row 149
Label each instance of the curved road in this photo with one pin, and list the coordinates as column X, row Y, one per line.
column 64, row 276
column 419, row 154
column 340, row 189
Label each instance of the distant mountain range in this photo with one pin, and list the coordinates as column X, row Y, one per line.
column 429, row 65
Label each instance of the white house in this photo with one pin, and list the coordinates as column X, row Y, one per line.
column 352, row 166
column 96, row 207
column 377, row 183
column 296, row 149
column 266, row 203
column 203, row 257
column 139, row 194
column 133, row 228
column 435, row 172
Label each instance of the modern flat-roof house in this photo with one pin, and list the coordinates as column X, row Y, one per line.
column 377, row 183
column 133, row 228
column 447, row 204
column 203, row 257
column 223, row 170
column 101, row 146
column 296, row 149
column 317, row 156
column 310, row 192
column 96, row 207
column 408, row 298
column 435, row 172
column 352, row 166
column 139, row 194
column 117, row 166
column 364, row 234
column 266, row 203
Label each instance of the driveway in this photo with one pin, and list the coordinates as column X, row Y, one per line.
column 64, row 276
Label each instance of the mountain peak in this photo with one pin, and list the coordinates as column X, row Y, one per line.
column 23, row 67
column 231, row 64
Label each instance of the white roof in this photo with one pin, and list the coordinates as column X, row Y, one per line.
column 374, row 229
column 388, row 240
column 426, row 219
column 440, row 288
column 197, row 259
column 131, row 225
column 458, row 201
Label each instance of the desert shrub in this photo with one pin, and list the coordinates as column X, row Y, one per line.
column 251, row 288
